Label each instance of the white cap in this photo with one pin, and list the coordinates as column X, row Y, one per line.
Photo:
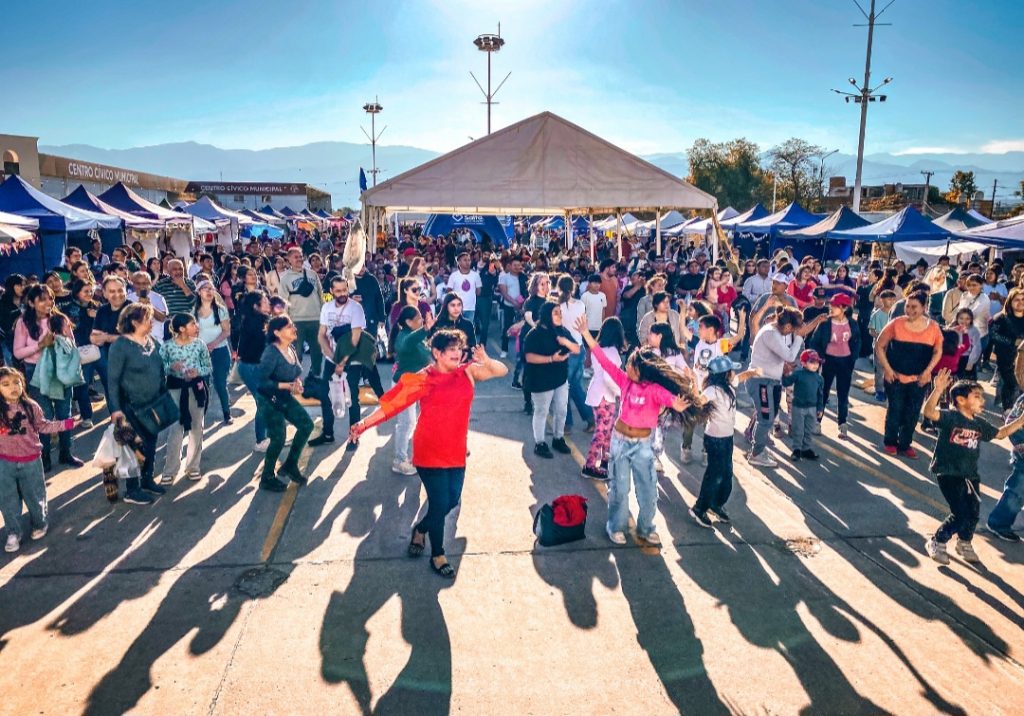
column 781, row 278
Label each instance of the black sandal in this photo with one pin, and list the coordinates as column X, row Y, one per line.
column 415, row 549
column 445, row 570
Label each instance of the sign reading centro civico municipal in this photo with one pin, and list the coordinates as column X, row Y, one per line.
column 80, row 171
column 213, row 187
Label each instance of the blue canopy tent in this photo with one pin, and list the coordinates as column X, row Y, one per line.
column 59, row 225
column 288, row 213
column 905, row 225
column 255, row 231
column 124, row 199
column 557, row 223
column 323, row 214
column 752, row 214
column 813, row 240
column 960, row 219
column 755, row 235
column 109, row 238
column 268, row 210
column 499, row 228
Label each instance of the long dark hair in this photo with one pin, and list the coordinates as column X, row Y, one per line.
column 442, row 315
column 247, row 310
column 652, row 368
column 401, row 321
column 544, row 318
column 668, row 346
column 29, row 316
column 612, row 334
column 12, row 423
column 723, row 381
column 15, row 279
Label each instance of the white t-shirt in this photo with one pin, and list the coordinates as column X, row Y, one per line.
column 722, row 422
column 465, row 285
column 704, row 353
column 594, row 304
column 602, row 387
column 570, row 313
column 332, row 315
column 511, row 284
column 158, row 302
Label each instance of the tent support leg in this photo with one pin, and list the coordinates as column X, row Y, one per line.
column 591, row 237
column 657, row 232
column 618, row 232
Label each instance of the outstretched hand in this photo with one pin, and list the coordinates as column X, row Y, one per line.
column 943, row 379
column 480, row 354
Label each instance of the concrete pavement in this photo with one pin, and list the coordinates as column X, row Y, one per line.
column 222, row 599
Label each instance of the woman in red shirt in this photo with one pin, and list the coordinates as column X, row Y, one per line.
column 802, row 287
column 444, row 391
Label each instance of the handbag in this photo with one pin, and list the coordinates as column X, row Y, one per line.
column 563, row 520
column 159, row 414
column 305, row 287
column 88, row 354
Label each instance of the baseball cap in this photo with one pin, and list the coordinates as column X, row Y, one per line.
column 819, row 292
column 809, row 356
column 409, row 252
column 780, row 278
column 721, row 364
column 841, row 299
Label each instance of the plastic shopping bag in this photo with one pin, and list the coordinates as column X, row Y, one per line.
column 127, row 464
column 339, row 395
column 106, row 453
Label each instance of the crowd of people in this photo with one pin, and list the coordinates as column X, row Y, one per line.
column 631, row 343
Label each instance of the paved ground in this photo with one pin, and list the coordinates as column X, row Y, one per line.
column 223, row 599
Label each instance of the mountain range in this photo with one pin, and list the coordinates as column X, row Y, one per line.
column 334, row 166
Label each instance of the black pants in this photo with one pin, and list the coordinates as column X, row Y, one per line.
column 841, row 371
column 148, row 445
column 508, row 317
column 961, row 494
column 1007, row 380
column 444, row 490
column 905, row 401
column 353, row 374
column 716, row 486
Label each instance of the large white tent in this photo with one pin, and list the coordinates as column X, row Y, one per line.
column 541, row 165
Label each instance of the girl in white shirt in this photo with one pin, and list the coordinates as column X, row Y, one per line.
column 602, row 395
column 663, row 341
column 720, row 391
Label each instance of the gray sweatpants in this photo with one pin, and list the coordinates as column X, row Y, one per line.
column 766, row 393
column 28, row 478
column 802, row 427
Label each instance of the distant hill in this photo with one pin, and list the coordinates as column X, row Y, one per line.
column 334, row 166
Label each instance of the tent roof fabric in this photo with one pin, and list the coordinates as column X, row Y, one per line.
column 207, row 208
column 1008, row 232
column 701, row 226
column 262, row 218
column 540, row 165
column 752, row 214
column 121, row 197
column 268, row 210
column 19, row 197
column 905, row 225
column 793, row 216
column 22, row 222
column 81, row 198
column 839, row 220
column 959, row 219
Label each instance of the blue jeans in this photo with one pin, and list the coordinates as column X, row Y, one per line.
column 22, row 482
column 221, row 359
column 52, row 410
column 766, row 394
column 444, row 491
column 469, row 315
column 250, row 374
column 631, row 455
column 577, row 393
column 1006, row 510
column 716, row 486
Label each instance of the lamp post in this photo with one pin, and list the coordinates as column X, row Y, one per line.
column 821, row 176
column 865, row 94
column 490, row 44
column 373, row 109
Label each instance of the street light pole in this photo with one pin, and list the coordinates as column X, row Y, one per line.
column 373, row 109
column 865, row 94
column 821, row 175
column 490, row 44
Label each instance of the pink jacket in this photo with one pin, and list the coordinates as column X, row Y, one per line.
column 641, row 403
column 21, row 444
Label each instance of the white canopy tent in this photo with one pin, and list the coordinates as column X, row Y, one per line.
column 541, row 165
column 14, row 229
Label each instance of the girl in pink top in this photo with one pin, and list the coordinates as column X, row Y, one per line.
column 647, row 385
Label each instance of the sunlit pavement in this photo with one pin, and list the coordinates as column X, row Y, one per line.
column 221, row 598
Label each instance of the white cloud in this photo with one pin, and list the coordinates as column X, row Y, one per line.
column 931, row 150
column 1001, row 146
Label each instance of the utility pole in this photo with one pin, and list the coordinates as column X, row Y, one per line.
column 995, row 183
column 373, row 109
column 927, row 187
column 490, row 44
column 865, row 93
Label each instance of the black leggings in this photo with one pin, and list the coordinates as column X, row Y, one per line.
column 840, row 370
column 444, row 491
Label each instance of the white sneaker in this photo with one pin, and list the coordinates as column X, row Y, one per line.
column 40, row 532
column 14, row 544
column 966, row 550
column 262, row 445
column 194, row 475
column 652, row 538
column 85, row 424
column 403, row 468
column 762, row 460
column 937, row 551
column 816, row 430
column 704, row 459
column 166, row 479
column 843, row 432
column 658, row 467
column 686, row 456
column 616, row 537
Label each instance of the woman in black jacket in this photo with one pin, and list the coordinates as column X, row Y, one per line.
column 1005, row 333
column 837, row 341
column 11, row 305
column 450, row 316
column 254, row 312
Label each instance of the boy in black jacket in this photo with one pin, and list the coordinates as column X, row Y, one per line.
column 808, row 403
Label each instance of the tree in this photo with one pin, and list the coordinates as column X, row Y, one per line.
column 794, row 165
column 961, row 187
column 731, row 171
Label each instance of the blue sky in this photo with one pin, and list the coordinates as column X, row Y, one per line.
column 649, row 75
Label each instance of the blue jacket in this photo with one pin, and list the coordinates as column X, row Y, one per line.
column 59, row 368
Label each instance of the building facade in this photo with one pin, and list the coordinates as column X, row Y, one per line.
column 255, row 195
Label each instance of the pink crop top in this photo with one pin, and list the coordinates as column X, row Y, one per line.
column 641, row 402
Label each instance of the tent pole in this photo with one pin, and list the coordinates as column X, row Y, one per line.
column 618, row 232
column 590, row 234
column 716, row 230
column 568, row 230
column 657, row 232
